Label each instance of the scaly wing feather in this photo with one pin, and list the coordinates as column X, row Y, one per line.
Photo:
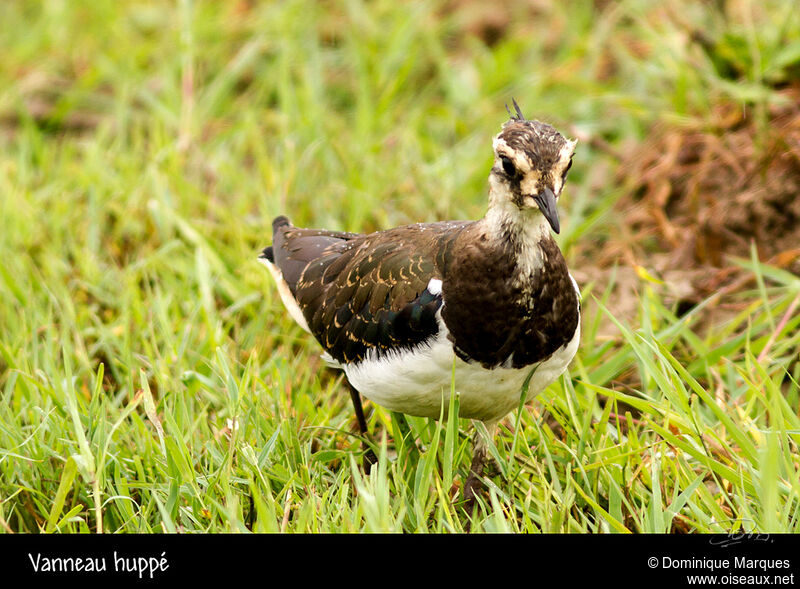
column 362, row 293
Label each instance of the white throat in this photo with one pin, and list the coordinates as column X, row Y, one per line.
column 525, row 229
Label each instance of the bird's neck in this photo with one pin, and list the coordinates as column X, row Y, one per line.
column 522, row 231
column 508, row 296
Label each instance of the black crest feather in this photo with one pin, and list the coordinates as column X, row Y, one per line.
column 518, row 116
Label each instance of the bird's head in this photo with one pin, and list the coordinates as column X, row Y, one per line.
column 531, row 160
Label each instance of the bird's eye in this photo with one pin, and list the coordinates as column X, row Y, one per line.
column 508, row 166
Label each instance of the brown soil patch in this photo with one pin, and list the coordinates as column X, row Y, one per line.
column 703, row 194
column 700, row 194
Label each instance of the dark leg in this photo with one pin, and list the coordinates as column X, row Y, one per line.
column 406, row 446
column 473, row 483
column 403, row 436
column 369, row 455
column 480, row 450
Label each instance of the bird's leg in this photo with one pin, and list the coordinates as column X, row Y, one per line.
column 473, row 480
column 369, row 455
column 405, row 445
column 480, row 450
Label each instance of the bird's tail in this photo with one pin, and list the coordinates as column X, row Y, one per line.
column 281, row 221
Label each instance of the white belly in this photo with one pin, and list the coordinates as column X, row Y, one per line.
column 418, row 382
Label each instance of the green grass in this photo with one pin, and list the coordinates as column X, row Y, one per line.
column 150, row 379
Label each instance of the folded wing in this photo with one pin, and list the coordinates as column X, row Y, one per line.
column 365, row 294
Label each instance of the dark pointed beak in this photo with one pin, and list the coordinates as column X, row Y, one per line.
column 547, row 204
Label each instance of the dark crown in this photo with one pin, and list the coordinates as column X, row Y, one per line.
column 542, row 142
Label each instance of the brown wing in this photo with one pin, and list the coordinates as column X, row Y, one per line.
column 365, row 292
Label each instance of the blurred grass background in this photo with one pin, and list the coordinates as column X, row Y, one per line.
column 150, row 378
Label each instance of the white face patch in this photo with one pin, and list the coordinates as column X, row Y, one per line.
column 530, row 184
column 564, row 157
column 501, row 148
column 530, row 176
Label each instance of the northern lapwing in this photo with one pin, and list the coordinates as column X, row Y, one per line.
column 399, row 310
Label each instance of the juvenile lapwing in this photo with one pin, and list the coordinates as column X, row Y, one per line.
column 398, row 309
